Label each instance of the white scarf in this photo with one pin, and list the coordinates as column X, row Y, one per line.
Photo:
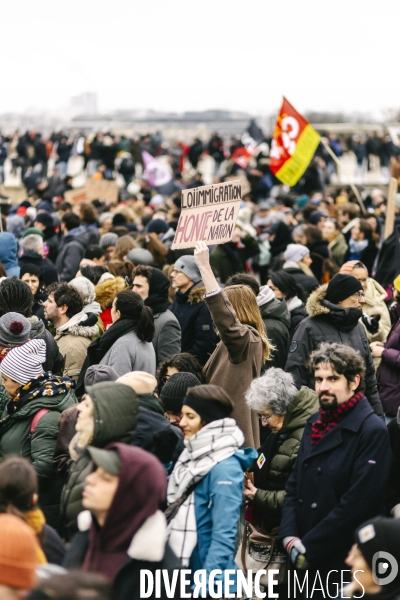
column 215, row 442
column 293, row 303
column 78, row 318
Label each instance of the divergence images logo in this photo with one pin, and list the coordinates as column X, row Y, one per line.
column 384, row 568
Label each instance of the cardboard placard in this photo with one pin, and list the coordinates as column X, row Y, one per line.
column 78, row 195
column 92, row 190
column 208, row 214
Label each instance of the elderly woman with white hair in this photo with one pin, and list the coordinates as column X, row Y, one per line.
column 285, row 410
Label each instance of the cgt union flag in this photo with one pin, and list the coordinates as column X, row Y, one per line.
column 293, row 145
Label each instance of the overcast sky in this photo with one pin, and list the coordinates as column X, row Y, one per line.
column 196, row 54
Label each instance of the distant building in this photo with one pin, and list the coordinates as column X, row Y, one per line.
column 84, row 104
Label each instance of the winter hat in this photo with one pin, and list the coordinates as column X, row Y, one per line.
column 315, row 217
column 85, row 288
column 17, row 553
column 295, row 252
column 380, row 536
column 175, row 390
column 157, row 226
column 140, row 381
column 108, row 239
column 44, row 205
column 32, row 269
column 14, row 329
column 104, row 216
column 45, row 219
column 188, row 266
column 140, row 256
column 99, row 373
column 33, row 230
column 396, row 283
column 24, row 363
column 16, row 225
column 347, row 267
column 342, row 286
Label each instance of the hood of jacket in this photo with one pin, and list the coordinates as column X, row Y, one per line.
column 151, row 403
column 116, row 412
column 246, row 457
column 158, row 292
column 345, row 319
column 276, row 309
column 8, row 254
column 302, row 407
column 81, row 325
column 193, row 296
column 37, row 327
column 107, row 290
column 374, row 294
column 143, row 473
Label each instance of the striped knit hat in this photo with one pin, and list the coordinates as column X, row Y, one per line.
column 25, row 362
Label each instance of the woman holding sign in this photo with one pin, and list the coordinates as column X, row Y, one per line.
column 243, row 348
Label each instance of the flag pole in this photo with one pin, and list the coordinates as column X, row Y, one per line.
column 353, row 187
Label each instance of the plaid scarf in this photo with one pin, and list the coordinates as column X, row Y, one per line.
column 329, row 419
column 214, row 443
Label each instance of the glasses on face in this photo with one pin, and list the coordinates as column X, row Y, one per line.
column 359, row 295
column 265, row 418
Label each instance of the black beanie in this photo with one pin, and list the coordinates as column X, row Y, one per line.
column 342, row 286
column 175, row 390
column 381, row 536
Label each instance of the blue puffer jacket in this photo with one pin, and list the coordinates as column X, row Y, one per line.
column 218, row 499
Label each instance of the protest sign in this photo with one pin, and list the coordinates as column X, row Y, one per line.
column 293, row 145
column 93, row 189
column 208, row 214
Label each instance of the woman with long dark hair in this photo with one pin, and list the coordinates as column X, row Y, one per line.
column 126, row 345
column 285, row 288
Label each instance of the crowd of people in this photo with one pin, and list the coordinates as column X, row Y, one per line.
column 212, row 409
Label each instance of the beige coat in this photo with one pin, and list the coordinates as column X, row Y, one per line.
column 235, row 362
column 73, row 344
column 375, row 305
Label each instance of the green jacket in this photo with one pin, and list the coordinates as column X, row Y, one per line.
column 113, row 422
column 38, row 448
column 269, row 500
column 338, row 248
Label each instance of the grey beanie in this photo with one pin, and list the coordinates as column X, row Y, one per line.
column 14, row 329
column 188, row 266
column 140, row 256
column 295, row 252
column 108, row 239
column 99, row 373
column 175, row 390
column 85, row 287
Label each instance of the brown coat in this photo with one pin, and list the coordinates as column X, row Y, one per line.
column 235, row 362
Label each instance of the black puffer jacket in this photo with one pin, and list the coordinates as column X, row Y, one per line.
column 198, row 335
column 276, row 318
column 328, row 322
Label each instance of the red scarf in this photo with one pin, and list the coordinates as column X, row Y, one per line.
column 328, row 419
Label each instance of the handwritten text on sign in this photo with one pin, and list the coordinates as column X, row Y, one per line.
column 208, row 214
